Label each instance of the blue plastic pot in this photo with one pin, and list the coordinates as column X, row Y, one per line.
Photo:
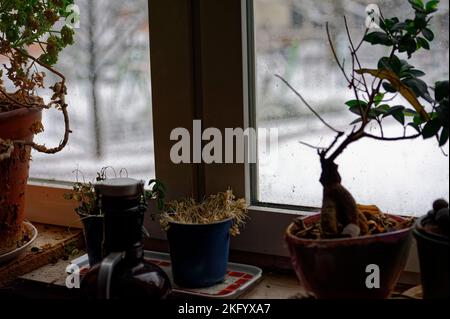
column 199, row 253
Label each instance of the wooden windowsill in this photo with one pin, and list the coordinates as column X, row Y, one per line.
column 44, row 265
column 51, row 244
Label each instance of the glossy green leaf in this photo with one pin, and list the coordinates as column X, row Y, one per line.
column 431, row 129
column 441, row 90
column 444, row 137
column 379, row 38
column 428, row 34
column 422, row 43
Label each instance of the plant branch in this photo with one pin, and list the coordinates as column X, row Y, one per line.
column 312, row 146
column 392, row 139
column 307, row 104
column 333, row 49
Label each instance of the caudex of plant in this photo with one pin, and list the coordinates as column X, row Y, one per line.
column 31, row 39
column 374, row 90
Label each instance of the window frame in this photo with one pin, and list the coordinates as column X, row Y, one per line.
column 186, row 37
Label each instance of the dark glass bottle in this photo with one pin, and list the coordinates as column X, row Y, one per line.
column 124, row 273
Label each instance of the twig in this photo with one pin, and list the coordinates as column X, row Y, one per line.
column 307, row 104
column 392, row 139
column 312, row 146
column 333, row 49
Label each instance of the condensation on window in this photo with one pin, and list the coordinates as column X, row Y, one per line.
column 109, row 96
column 290, row 40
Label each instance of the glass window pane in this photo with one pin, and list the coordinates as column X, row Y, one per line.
column 109, row 96
column 290, row 40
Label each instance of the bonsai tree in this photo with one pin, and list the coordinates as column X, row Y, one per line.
column 32, row 35
column 31, row 41
column 426, row 116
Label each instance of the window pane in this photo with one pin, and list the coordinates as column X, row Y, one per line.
column 109, row 96
column 290, row 40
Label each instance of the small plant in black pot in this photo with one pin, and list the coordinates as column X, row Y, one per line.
column 88, row 211
column 432, row 235
column 91, row 215
column 199, row 237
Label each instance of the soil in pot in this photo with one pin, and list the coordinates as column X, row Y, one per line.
column 337, row 268
column 15, row 125
column 199, row 253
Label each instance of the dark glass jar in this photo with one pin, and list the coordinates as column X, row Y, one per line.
column 124, row 273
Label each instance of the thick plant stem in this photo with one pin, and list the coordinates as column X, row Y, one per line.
column 339, row 208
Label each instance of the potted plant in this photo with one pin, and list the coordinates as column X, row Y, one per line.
column 91, row 215
column 432, row 235
column 199, row 237
column 88, row 211
column 332, row 252
column 31, row 39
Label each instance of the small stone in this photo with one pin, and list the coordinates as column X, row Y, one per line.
column 440, row 204
column 352, row 230
column 442, row 217
column 431, row 214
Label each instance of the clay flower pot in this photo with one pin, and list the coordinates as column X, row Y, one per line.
column 15, row 125
column 336, row 268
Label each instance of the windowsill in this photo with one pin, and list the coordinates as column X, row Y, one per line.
column 51, row 244
column 44, row 271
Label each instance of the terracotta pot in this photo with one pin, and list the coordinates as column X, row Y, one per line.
column 14, row 125
column 336, row 268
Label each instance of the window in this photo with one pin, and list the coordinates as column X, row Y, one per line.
column 290, row 40
column 109, row 95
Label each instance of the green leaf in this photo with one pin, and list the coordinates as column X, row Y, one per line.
column 400, row 117
column 428, row 34
column 354, row 103
column 379, row 98
column 389, row 88
column 443, row 113
column 418, row 120
column 404, row 90
column 391, row 63
column 379, row 38
column 357, row 109
column 431, row 129
column 444, row 137
column 432, row 6
column 410, row 112
column 397, row 113
column 418, row 3
column 422, row 43
column 382, row 109
column 407, row 44
column 441, row 90
column 419, row 87
column 401, row 26
column 417, row 73
column 415, row 126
